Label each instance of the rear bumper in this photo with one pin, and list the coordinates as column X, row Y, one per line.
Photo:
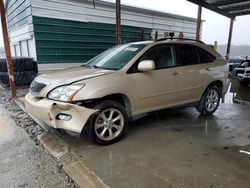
column 45, row 112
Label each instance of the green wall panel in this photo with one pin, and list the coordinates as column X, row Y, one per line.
column 65, row 41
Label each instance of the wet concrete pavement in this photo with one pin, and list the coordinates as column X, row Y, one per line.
column 176, row 149
column 22, row 162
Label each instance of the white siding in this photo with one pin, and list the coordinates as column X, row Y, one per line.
column 20, row 26
column 83, row 10
column 32, row 48
column 17, row 49
column 24, row 33
column 23, row 45
column 24, row 49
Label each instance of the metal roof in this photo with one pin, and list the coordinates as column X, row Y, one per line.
column 228, row 8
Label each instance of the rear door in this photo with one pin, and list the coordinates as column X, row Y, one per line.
column 196, row 67
column 190, row 70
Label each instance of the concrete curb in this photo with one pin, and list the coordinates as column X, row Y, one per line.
column 74, row 168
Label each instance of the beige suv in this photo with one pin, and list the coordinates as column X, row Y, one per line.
column 127, row 80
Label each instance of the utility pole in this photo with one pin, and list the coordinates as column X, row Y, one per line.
column 230, row 38
column 118, row 22
column 198, row 24
column 7, row 50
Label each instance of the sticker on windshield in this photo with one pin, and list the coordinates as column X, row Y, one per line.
column 131, row 49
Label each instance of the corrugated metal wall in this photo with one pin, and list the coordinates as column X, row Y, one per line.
column 72, row 31
column 20, row 26
column 104, row 12
column 65, row 41
column 18, row 14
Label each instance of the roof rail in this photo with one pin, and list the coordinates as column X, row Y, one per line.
column 171, row 38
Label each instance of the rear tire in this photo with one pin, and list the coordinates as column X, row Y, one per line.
column 109, row 124
column 210, row 101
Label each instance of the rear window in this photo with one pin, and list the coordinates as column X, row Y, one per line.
column 188, row 55
column 205, row 57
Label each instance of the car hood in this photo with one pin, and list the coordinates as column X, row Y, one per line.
column 70, row 75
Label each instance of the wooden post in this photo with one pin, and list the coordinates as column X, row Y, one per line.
column 7, row 50
column 216, row 45
column 230, row 38
column 156, row 35
column 142, row 35
column 118, row 22
column 198, row 23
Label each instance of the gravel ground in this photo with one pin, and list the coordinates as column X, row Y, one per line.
column 33, row 129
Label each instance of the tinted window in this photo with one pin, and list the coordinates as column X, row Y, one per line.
column 163, row 56
column 205, row 57
column 188, row 55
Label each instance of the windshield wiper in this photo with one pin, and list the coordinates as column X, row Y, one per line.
column 85, row 65
column 106, row 68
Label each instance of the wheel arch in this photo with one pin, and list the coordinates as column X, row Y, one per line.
column 217, row 83
column 118, row 97
column 122, row 99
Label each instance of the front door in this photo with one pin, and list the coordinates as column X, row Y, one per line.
column 160, row 88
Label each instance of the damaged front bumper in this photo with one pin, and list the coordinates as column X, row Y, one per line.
column 59, row 115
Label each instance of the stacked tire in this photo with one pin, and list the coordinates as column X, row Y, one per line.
column 25, row 70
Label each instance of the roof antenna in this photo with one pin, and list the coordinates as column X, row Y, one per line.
column 171, row 34
column 94, row 3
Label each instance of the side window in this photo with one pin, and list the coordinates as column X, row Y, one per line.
column 189, row 55
column 205, row 57
column 163, row 56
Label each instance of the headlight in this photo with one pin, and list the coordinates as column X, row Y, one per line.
column 64, row 93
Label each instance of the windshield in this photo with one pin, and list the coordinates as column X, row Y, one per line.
column 115, row 58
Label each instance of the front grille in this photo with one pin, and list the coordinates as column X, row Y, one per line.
column 37, row 86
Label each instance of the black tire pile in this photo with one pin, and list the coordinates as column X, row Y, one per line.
column 25, row 70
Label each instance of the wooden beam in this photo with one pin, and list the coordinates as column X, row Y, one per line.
column 242, row 13
column 230, row 38
column 227, row 2
column 211, row 7
column 7, row 50
column 118, row 22
column 237, row 8
column 198, row 23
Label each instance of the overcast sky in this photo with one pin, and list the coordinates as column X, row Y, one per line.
column 216, row 27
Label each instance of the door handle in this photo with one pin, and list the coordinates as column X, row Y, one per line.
column 177, row 73
column 209, row 68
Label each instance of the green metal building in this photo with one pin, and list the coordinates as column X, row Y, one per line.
column 62, row 33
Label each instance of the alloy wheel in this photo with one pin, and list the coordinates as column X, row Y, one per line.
column 212, row 100
column 109, row 124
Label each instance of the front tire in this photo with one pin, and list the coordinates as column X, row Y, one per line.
column 109, row 124
column 210, row 101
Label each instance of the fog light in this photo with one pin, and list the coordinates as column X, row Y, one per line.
column 63, row 117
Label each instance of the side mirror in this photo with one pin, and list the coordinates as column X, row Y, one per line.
column 146, row 65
